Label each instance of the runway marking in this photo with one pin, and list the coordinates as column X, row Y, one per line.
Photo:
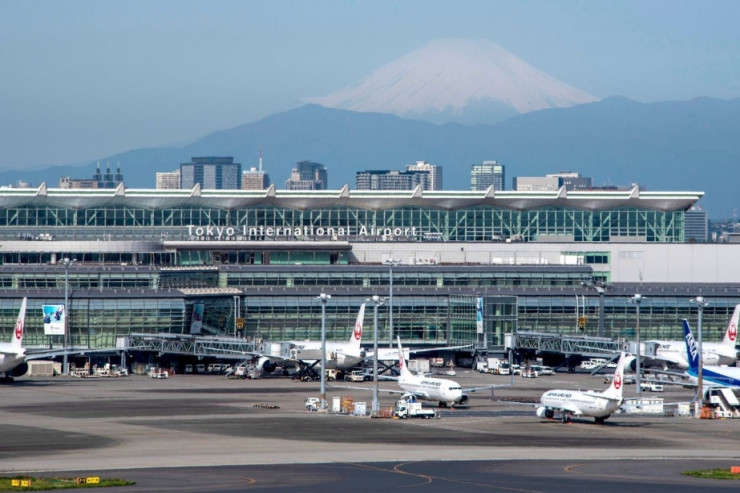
column 430, row 479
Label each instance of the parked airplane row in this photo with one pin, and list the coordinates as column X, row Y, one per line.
column 673, row 354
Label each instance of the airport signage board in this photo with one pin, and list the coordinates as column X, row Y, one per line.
column 54, row 320
column 196, row 325
column 245, row 233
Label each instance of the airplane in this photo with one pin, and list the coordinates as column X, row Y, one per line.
column 673, row 353
column 446, row 392
column 307, row 354
column 12, row 354
column 597, row 405
column 712, row 375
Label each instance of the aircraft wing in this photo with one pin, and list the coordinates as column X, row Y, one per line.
column 368, row 389
column 445, row 348
column 601, row 396
column 567, row 407
column 487, row 387
column 53, row 353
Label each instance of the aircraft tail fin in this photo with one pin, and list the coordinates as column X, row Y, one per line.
column 731, row 333
column 20, row 325
column 402, row 361
column 355, row 338
column 617, row 384
column 692, row 348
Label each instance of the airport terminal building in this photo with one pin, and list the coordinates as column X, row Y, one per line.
column 250, row 264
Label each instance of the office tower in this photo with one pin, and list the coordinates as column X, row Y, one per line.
column 487, row 174
column 389, row 179
column 213, row 173
column 168, row 180
column 696, row 225
column 308, row 175
column 432, row 180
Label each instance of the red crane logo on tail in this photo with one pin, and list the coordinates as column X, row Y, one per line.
column 617, row 380
column 358, row 331
column 732, row 332
column 18, row 329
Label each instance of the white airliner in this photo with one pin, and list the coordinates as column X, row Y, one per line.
column 712, row 375
column 673, row 353
column 339, row 355
column 12, row 355
column 446, row 392
column 597, row 405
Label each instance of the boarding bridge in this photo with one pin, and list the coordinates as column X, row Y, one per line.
column 188, row 345
column 567, row 345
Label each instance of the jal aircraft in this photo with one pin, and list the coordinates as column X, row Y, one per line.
column 597, row 405
column 12, row 354
column 712, row 375
column 446, row 392
column 339, row 355
column 673, row 353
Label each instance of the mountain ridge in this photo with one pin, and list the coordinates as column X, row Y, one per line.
column 674, row 146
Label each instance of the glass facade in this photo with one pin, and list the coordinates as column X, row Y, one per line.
column 474, row 224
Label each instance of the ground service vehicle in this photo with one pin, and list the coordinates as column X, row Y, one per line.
column 406, row 409
column 312, row 403
column 355, row 376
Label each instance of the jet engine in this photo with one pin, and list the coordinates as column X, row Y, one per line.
column 463, row 400
column 265, row 365
column 19, row 370
column 543, row 412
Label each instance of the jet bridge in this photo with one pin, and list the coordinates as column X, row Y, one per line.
column 567, row 345
column 188, row 345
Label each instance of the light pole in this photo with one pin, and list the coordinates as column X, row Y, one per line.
column 390, row 263
column 323, row 298
column 66, row 262
column 700, row 303
column 637, row 299
column 599, row 288
column 377, row 301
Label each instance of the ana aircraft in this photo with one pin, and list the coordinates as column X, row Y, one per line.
column 673, row 353
column 446, row 392
column 712, row 375
column 597, row 405
column 12, row 355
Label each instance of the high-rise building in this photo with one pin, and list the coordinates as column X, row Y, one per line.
column 432, row 180
column 551, row 182
column 487, row 174
column 98, row 180
column 696, row 227
column 308, row 175
column 572, row 181
column 213, row 173
column 255, row 179
column 536, row 183
column 168, row 180
column 389, row 179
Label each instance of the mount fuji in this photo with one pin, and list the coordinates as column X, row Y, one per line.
column 456, row 80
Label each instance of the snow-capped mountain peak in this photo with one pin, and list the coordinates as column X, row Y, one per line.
column 456, row 80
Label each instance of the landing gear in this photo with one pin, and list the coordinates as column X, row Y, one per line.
column 567, row 418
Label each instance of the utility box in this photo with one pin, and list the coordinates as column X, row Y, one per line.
column 360, row 409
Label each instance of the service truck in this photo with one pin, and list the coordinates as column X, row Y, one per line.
column 405, row 409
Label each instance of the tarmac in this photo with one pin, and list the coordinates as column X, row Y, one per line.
column 207, row 423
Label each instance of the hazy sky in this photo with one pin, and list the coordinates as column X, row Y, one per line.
column 85, row 79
